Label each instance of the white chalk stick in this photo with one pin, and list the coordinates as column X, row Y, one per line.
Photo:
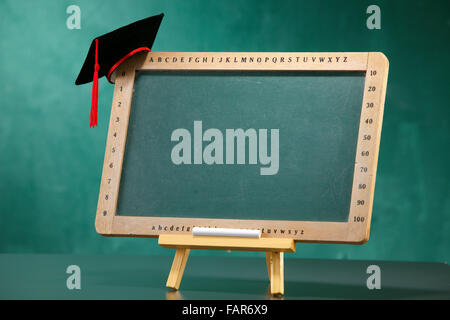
column 226, row 232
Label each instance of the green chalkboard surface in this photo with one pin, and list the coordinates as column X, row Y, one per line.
column 312, row 118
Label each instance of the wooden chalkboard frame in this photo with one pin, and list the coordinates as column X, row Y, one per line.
column 355, row 230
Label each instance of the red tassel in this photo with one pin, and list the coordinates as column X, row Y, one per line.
column 94, row 103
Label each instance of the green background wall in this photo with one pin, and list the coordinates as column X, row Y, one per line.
column 50, row 160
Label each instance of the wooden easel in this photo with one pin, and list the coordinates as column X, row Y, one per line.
column 274, row 248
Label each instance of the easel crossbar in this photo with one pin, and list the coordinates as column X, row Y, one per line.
column 227, row 243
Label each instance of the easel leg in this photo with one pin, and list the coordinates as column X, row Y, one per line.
column 177, row 270
column 269, row 264
column 275, row 267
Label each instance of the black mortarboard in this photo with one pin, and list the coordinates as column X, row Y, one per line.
column 108, row 51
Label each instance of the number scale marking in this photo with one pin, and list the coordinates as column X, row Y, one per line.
column 109, row 187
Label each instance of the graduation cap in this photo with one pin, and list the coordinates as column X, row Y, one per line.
column 108, row 51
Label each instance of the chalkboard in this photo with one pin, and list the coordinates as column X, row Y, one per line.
column 317, row 115
column 286, row 143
